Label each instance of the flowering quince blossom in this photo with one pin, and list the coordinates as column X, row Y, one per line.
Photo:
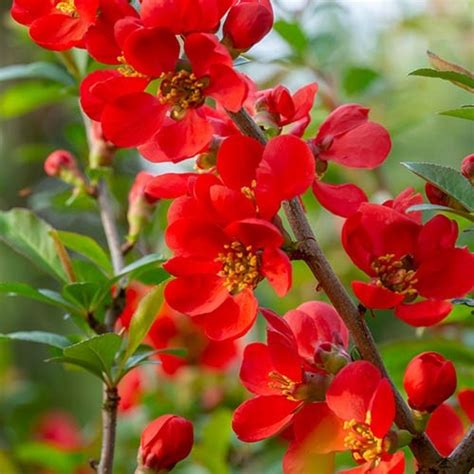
column 357, row 416
column 289, row 373
column 407, row 260
column 429, row 380
column 56, row 24
column 347, row 137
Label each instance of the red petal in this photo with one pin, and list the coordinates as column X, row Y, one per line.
column 256, row 232
column 256, row 365
column 393, row 465
column 277, row 324
column 204, row 51
column 26, row 11
column 376, row 297
column 276, row 267
column 262, row 417
column 232, row 319
column 227, row 86
column 287, row 166
column 303, row 100
column 340, row 199
column 284, row 355
column 466, row 400
column 382, row 409
column 352, row 389
column 188, row 266
column 218, row 354
column 448, row 274
column 141, row 46
column 132, row 119
column 193, row 236
column 196, row 294
column 169, row 185
column 300, row 459
column 342, row 120
column 446, row 232
column 238, row 160
column 445, row 429
column 423, row 313
column 185, row 138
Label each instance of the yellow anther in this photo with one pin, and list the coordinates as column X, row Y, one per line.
column 240, row 267
column 365, row 446
column 284, row 384
column 67, row 7
column 126, row 70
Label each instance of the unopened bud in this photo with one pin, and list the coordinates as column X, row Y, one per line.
column 164, row 442
column 102, row 151
column 62, row 164
column 467, row 168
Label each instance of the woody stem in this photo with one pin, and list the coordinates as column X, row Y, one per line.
column 317, row 262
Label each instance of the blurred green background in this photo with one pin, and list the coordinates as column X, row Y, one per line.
column 359, row 51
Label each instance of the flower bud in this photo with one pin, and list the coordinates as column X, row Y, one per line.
column 62, row 164
column 247, row 23
column 140, row 206
column 467, row 168
column 429, row 380
column 164, row 442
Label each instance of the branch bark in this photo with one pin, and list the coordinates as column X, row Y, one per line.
column 317, row 262
column 462, row 458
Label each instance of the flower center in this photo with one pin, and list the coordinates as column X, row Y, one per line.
column 249, row 191
column 126, row 70
column 361, row 441
column 240, row 267
column 396, row 275
column 182, row 90
column 284, row 384
column 67, row 7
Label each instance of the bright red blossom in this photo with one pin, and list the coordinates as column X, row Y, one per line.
column 407, row 260
column 429, row 380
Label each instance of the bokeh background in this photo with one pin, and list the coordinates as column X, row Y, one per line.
column 359, row 51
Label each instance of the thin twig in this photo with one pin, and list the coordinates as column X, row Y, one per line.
column 109, row 427
column 314, row 257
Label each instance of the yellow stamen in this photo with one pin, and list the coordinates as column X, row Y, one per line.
column 67, row 7
column 126, row 70
column 365, row 446
column 284, row 384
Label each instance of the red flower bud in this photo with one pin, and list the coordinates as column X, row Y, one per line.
column 58, row 161
column 429, row 380
column 467, row 168
column 165, row 442
column 248, row 22
column 435, row 195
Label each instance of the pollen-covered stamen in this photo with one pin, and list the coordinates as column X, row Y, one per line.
column 249, row 191
column 126, row 69
column 182, row 90
column 365, row 446
column 240, row 267
column 67, row 7
column 284, row 384
column 396, row 275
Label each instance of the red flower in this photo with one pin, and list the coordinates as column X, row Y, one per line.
column 173, row 121
column 247, row 23
column 184, row 16
column 429, row 380
column 60, row 430
column 56, row 24
column 466, row 400
column 357, row 416
column 445, row 429
column 165, row 442
column 348, row 138
column 286, row 110
column 407, row 260
column 284, row 374
column 404, row 201
column 218, row 268
column 467, row 168
column 130, row 389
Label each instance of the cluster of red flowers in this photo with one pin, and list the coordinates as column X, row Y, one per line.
column 167, row 62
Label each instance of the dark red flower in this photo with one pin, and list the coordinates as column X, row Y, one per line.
column 247, row 23
column 184, row 16
column 284, row 374
column 56, row 24
column 407, row 260
column 280, row 107
column 429, row 380
column 217, row 269
column 467, row 168
column 348, row 138
column 164, row 442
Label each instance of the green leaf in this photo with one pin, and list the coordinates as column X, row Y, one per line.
column 213, row 448
column 466, row 113
column 26, row 97
column 143, row 263
column 29, row 235
column 459, row 79
column 357, row 80
column 48, row 456
column 398, row 354
column 292, row 34
column 447, row 179
column 438, row 208
column 82, row 364
column 143, row 318
column 41, row 337
column 39, row 70
column 45, row 296
column 441, row 64
column 86, row 246
column 87, row 295
column 97, row 353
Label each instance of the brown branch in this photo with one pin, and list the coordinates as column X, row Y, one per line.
column 109, row 427
column 463, row 456
column 317, row 262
